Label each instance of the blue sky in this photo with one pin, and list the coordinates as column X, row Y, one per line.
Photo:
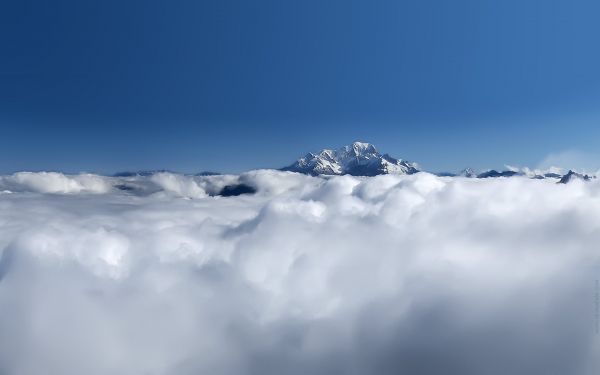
column 229, row 85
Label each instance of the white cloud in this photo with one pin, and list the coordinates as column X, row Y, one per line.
column 53, row 182
column 179, row 185
column 392, row 274
column 572, row 159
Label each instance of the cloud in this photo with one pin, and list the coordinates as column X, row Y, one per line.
column 572, row 159
column 179, row 185
column 384, row 275
column 53, row 182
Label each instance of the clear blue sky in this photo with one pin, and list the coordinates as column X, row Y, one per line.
column 230, row 85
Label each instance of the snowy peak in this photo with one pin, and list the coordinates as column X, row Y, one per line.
column 363, row 159
column 359, row 148
column 467, row 172
column 357, row 159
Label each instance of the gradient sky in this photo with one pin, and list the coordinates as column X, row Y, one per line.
column 229, row 85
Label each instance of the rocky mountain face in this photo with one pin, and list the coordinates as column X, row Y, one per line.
column 571, row 175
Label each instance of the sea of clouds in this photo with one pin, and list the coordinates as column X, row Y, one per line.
column 344, row 275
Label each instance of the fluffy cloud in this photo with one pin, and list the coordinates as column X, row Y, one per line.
column 582, row 161
column 384, row 275
column 53, row 182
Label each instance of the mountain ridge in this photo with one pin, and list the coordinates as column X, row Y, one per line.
column 363, row 159
column 357, row 159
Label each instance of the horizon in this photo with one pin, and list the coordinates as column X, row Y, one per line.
column 565, row 161
column 551, row 162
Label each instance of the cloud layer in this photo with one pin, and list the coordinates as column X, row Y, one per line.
column 384, row 275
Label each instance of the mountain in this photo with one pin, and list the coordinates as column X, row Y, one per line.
column 551, row 175
column 574, row 176
column 142, row 173
column 446, row 174
column 467, row 172
column 363, row 159
column 148, row 173
column 494, row 173
column 357, row 159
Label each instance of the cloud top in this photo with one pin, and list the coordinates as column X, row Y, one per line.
column 382, row 275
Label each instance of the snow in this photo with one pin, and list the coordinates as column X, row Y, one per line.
column 358, row 158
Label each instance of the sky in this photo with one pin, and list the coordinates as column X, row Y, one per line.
column 232, row 85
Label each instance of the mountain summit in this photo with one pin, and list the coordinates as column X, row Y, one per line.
column 357, row 159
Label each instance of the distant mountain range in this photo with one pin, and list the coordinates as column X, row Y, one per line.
column 363, row 159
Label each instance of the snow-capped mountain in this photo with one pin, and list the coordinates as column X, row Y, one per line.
column 357, row 159
column 467, row 172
